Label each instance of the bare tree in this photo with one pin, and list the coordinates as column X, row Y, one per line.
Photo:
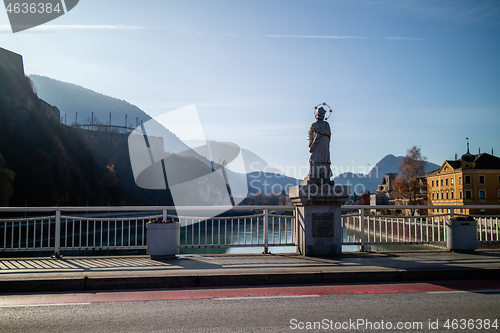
column 410, row 186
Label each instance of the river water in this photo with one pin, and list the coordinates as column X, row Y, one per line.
column 292, row 249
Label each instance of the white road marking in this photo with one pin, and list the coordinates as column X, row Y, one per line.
column 261, row 297
column 464, row 291
column 40, row 305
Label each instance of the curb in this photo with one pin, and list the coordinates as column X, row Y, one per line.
column 95, row 284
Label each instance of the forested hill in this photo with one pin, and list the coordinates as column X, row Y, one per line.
column 45, row 163
column 72, row 99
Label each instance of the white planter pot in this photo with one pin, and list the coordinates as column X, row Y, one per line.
column 462, row 235
column 163, row 240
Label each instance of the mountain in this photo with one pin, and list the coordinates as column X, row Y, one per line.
column 368, row 182
column 77, row 103
column 58, row 164
column 391, row 163
column 49, row 163
column 72, row 99
column 54, row 164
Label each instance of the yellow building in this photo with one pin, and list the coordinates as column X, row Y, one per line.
column 471, row 180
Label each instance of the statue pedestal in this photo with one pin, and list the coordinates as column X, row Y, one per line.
column 318, row 214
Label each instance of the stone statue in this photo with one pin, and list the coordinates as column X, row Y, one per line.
column 317, row 199
column 319, row 147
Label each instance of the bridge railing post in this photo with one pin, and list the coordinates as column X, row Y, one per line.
column 57, row 239
column 452, row 213
column 265, row 235
column 362, row 227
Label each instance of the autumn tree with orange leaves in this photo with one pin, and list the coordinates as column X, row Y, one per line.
column 410, row 186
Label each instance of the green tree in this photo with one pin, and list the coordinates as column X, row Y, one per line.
column 6, row 182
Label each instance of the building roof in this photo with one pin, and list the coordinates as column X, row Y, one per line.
column 487, row 161
column 455, row 164
column 482, row 161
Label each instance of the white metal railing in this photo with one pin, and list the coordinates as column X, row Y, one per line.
column 487, row 228
column 381, row 229
column 422, row 229
column 238, row 231
column 117, row 228
column 120, row 228
column 36, row 233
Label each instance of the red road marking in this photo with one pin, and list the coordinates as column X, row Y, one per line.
column 248, row 292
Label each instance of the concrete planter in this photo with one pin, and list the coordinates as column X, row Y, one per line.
column 163, row 240
column 462, row 235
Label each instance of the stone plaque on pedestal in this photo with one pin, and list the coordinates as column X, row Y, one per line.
column 322, row 224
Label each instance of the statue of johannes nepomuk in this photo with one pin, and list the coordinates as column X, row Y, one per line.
column 319, row 147
column 317, row 199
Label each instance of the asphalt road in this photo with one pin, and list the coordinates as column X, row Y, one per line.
column 276, row 310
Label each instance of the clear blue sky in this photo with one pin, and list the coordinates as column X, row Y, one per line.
column 396, row 73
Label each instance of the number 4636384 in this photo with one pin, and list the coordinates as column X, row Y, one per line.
column 479, row 324
column 33, row 8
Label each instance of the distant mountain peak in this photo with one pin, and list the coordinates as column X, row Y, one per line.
column 369, row 182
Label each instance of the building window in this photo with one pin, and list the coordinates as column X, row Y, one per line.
column 461, row 195
column 468, row 194
column 446, row 181
column 498, row 194
column 442, row 195
column 467, row 179
column 452, row 195
column 481, row 179
column 432, row 183
column 498, row 179
column 459, row 180
column 447, row 195
column 432, row 195
column 482, row 194
column 451, row 180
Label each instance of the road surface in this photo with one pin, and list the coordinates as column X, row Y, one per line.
column 452, row 306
